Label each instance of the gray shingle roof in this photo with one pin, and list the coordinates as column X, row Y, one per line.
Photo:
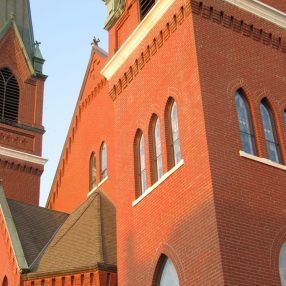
column 35, row 226
column 87, row 238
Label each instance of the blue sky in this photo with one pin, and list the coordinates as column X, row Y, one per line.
column 65, row 29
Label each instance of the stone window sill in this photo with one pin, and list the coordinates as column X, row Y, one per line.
column 99, row 185
column 262, row 160
column 159, row 182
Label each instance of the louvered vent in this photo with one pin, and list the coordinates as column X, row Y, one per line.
column 9, row 96
column 145, row 7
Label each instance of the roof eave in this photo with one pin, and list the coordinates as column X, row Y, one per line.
column 13, row 234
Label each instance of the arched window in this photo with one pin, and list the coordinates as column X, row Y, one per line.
column 9, row 96
column 92, row 171
column 145, row 6
column 284, row 115
column 140, row 166
column 5, row 281
column 157, row 149
column 245, row 124
column 173, row 131
column 270, row 132
column 166, row 273
column 282, row 264
column 103, row 161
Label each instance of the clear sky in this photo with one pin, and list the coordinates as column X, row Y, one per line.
column 66, row 29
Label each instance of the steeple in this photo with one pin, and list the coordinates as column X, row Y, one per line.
column 18, row 13
column 21, row 98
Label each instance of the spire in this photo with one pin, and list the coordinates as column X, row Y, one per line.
column 18, row 14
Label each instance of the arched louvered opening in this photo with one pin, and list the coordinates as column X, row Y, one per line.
column 145, row 7
column 9, row 96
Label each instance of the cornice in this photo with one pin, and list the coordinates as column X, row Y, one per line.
column 139, row 34
column 261, row 10
column 22, row 156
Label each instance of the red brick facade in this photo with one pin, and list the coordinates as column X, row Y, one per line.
column 219, row 214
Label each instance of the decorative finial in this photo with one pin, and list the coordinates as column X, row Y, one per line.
column 37, row 44
column 95, row 41
column 12, row 15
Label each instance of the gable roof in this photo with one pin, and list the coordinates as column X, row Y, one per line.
column 85, row 240
column 30, row 228
column 35, row 226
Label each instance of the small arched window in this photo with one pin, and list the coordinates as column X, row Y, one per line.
column 9, row 96
column 282, row 264
column 5, row 281
column 166, row 273
column 285, row 116
column 270, row 132
column 92, row 171
column 157, row 149
column 245, row 123
column 103, row 161
column 145, row 6
column 173, row 131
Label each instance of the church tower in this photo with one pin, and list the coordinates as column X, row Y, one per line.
column 21, row 103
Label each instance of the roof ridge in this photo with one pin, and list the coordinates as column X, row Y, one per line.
column 85, row 205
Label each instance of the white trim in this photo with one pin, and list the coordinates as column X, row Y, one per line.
column 261, row 10
column 262, row 160
column 138, row 35
column 159, row 182
column 22, row 156
column 96, row 187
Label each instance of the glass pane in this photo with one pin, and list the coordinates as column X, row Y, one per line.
column 282, row 264
column 267, row 124
column 142, row 165
column 246, row 141
column 103, row 161
column 158, row 150
column 92, row 172
column 272, row 152
column 242, row 114
column 285, row 116
column 169, row 275
column 175, row 133
column 269, row 129
column 245, row 128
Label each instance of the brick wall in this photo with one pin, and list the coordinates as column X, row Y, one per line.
column 21, row 179
column 219, row 216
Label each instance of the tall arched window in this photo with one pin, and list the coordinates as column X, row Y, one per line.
column 92, row 171
column 173, row 131
column 166, row 273
column 157, row 166
column 145, row 6
column 285, row 116
column 282, row 264
column 103, row 161
column 9, row 96
column 140, row 165
column 270, row 132
column 245, row 124
column 5, row 281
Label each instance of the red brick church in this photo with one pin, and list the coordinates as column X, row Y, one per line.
column 173, row 170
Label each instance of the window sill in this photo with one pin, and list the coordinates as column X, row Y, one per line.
column 96, row 187
column 159, row 182
column 262, row 160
